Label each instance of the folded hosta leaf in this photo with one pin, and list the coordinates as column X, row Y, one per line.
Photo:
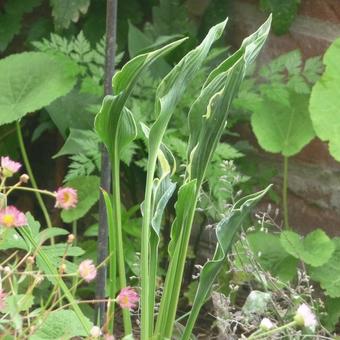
column 58, row 325
column 184, row 205
column 88, row 194
column 283, row 127
column 329, row 273
column 32, row 80
column 226, row 231
column 325, row 101
column 315, row 249
column 208, row 114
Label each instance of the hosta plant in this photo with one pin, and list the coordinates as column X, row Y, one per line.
column 207, row 117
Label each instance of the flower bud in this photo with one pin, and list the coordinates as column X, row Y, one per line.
column 70, row 239
column 30, row 259
column 24, row 178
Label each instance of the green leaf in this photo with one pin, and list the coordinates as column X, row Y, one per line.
column 72, row 111
column 60, row 325
column 283, row 127
column 226, row 231
column 18, row 303
column 329, row 273
column 32, row 80
column 183, row 206
column 333, row 313
column 67, row 11
column 78, row 141
column 325, row 101
column 88, row 194
column 270, row 254
column 315, row 249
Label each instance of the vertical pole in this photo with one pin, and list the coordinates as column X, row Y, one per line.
column 105, row 179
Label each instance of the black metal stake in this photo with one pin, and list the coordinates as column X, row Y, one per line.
column 105, row 179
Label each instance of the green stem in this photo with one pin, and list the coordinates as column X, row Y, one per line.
column 147, row 313
column 284, row 192
column 272, row 331
column 112, row 256
column 120, row 246
column 32, row 179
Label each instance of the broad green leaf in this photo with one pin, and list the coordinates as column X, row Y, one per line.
column 315, row 249
column 78, row 141
column 270, row 254
column 67, row 11
column 72, row 111
column 88, row 194
column 328, row 274
column 325, row 101
column 60, row 325
column 18, row 303
column 256, row 302
column 208, row 114
column 32, row 80
column 226, row 231
column 283, row 127
column 331, row 319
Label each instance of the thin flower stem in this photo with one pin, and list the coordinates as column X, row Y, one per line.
column 272, row 331
column 44, row 192
column 285, row 192
column 32, row 179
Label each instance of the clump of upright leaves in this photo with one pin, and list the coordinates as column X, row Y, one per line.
column 325, row 102
column 284, row 13
column 10, row 19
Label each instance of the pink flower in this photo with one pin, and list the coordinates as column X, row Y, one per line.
column 12, row 217
column 66, row 198
column 304, row 317
column 87, row 270
column 127, row 298
column 9, row 167
column 3, row 296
